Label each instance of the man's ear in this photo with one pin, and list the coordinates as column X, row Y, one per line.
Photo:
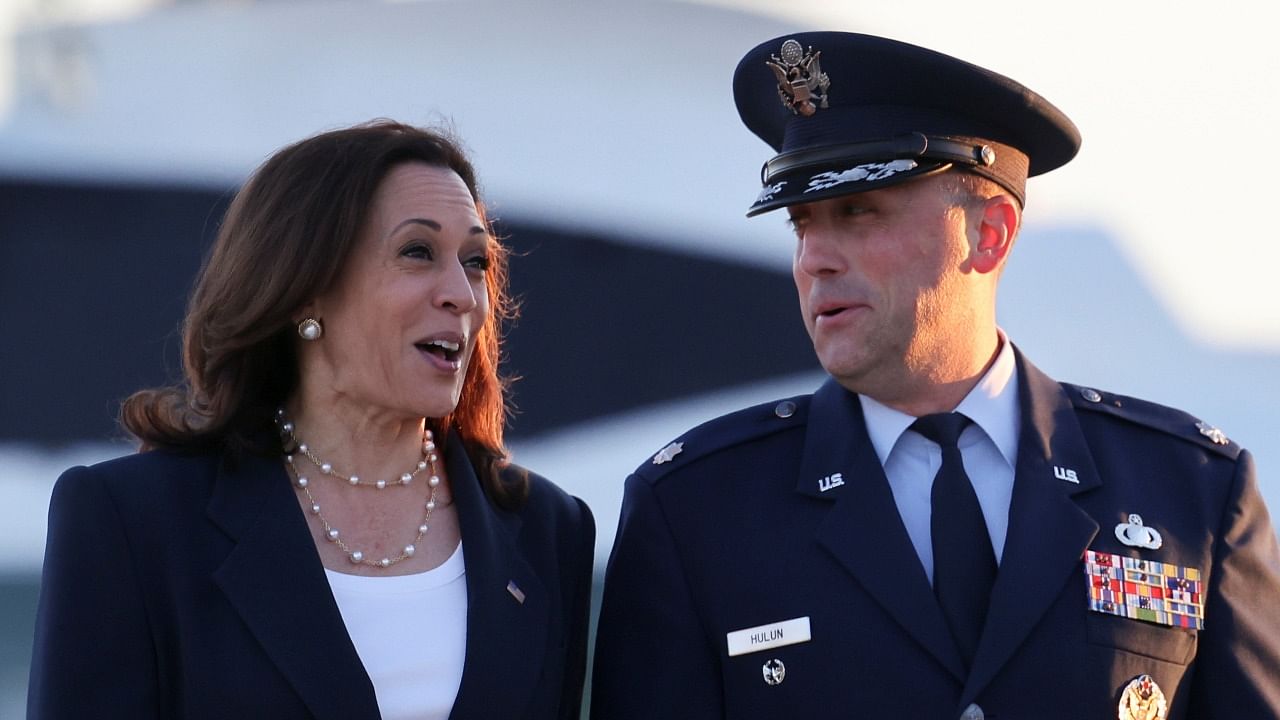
column 997, row 227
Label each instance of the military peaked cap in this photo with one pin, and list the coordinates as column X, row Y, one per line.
column 848, row 113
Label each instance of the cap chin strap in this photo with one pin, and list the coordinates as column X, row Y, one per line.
column 911, row 145
column 1001, row 163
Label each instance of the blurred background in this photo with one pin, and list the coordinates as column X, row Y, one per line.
column 609, row 148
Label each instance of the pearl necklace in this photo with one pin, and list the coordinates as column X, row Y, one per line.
column 331, row 533
column 288, row 437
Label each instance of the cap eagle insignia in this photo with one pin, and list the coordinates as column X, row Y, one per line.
column 802, row 86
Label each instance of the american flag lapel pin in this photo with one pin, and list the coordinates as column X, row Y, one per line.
column 515, row 591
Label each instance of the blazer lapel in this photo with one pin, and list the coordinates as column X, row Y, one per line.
column 1048, row 533
column 863, row 530
column 275, row 580
column 508, row 610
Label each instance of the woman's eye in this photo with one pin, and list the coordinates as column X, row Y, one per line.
column 418, row 250
column 479, row 262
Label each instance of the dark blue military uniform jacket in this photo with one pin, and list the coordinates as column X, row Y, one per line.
column 743, row 527
column 189, row 587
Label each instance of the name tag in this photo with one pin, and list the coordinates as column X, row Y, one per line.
column 772, row 635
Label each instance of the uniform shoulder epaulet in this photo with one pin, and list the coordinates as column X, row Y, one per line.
column 725, row 432
column 1153, row 415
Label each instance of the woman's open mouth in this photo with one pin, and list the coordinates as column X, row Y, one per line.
column 444, row 354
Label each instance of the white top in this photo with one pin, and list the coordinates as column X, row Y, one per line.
column 411, row 634
column 989, row 448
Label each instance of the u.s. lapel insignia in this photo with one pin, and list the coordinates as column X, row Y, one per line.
column 774, row 672
column 1135, row 534
column 830, row 482
column 802, row 85
column 1142, row 699
column 1216, row 436
column 668, row 453
column 1155, row 592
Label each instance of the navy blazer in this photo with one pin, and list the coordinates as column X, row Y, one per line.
column 744, row 527
column 189, row 586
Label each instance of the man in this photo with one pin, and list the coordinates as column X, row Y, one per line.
column 940, row 531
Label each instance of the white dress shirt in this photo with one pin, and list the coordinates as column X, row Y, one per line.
column 989, row 447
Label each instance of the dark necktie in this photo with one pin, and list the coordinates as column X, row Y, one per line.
column 964, row 565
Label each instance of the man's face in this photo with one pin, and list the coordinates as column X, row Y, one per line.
column 884, row 283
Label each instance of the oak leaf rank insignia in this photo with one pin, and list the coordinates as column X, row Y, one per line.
column 668, row 453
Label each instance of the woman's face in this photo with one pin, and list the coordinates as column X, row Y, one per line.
column 400, row 324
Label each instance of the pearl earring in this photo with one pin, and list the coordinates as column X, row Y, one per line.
column 310, row 329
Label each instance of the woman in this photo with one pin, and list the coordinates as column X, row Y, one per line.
column 324, row 524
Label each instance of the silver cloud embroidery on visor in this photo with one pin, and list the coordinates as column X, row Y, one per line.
column 862, row 173
column 769, row 191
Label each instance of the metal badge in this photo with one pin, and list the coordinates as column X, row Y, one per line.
column 1135, row 534
column 802, row 86
column 668, row 453
column 1142, row 699
column 774, row 672
column 1216, row 436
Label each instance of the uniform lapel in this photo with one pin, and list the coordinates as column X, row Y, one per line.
column 506, row 628
column 1048, row 533
column 275, row 580
column 863, row 530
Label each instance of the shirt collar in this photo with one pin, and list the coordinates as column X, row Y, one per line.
column 992, row 405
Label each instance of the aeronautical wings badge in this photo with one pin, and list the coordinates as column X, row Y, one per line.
column 802, row 85
column 1135, row 534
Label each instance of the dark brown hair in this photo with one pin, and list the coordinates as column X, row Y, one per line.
column 284, row 240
